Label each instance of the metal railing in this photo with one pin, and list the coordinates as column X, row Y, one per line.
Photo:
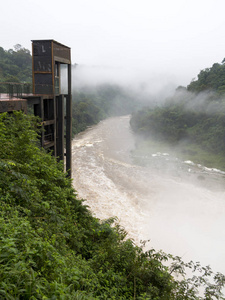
column 14, row 90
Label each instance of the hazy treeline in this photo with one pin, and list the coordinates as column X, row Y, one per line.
column 194, row 115
column 51, row 247
column 15, row 65
column 92, row 104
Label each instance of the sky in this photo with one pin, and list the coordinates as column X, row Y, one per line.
column 139, row 40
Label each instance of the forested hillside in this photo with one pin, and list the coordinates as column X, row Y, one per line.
column 92, row 104
column 51, row 247
column 210, row 79
column 15, row 65
column 194, row 118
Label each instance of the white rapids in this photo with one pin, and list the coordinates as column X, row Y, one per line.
column 176, row 215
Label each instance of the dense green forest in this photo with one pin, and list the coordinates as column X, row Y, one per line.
column 15, row 65
column 51, row 247
column 194, row 118
column 210, row 79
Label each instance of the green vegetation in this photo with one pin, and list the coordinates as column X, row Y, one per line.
column 51, row 247
column 91, row 105
column 195, row 132
column 210, row 79
column 15, row 65
column 194, row 121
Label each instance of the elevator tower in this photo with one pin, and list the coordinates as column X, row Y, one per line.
column 51, row 65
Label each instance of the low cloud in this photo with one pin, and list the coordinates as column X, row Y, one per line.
column 144, row 84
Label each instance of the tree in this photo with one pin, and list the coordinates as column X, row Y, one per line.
column 16, row 63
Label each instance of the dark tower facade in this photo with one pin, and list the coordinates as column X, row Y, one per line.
column 49, row 103
column 48, row 56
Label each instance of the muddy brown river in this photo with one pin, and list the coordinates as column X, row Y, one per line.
column 176, row 211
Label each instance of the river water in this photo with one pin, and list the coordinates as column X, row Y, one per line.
column 171, row 205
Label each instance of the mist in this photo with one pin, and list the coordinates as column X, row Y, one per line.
column 149, row 88
column 140, row 82
column 208, row 102
column 176, row 204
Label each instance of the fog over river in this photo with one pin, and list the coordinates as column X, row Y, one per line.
column 170, row 206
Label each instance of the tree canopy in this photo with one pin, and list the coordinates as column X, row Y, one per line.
column 210, row 79
column 15, row 65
